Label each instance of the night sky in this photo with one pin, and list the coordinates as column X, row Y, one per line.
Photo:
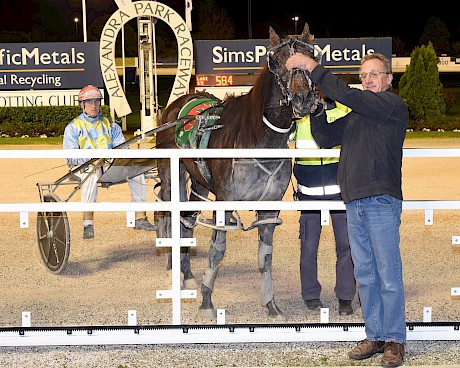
column 325, row 21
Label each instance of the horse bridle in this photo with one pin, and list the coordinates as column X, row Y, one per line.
column 273, row 67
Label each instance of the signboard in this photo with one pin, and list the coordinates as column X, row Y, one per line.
column 225, row 80
column 41, row 97
column 342, row 55
column 49, row 66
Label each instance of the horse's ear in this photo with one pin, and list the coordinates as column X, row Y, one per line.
column 274, row 38
column 306, row 33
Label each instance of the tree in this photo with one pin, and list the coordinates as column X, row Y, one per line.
column 455, row 49
column 436, row 32
column 213, row 23
column 399, row 47
column 420, row 86
column 49, row 26
column 15, row 36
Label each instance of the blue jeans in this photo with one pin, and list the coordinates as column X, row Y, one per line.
column 373, row 232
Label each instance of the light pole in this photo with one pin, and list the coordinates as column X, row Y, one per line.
column 295, row 19
column 76, row 20
column 249, row 19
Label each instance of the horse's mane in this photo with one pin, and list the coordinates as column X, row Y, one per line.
column 242, row 116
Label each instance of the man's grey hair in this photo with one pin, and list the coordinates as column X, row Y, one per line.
column 386, row 62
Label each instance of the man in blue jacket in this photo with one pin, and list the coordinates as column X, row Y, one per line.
column 92, row 130
column 371, row 138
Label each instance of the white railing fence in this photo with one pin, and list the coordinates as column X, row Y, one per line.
column 175, row 207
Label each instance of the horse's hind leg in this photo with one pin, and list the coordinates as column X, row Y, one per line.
column 188, row 226
column 185, row 264
column 164, row 222
column 265, row 252
column 216, row 254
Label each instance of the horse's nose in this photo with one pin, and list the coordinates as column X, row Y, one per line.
column 301, row 109
column 299, row 82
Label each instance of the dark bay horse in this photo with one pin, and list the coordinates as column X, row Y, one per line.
column 262, row 118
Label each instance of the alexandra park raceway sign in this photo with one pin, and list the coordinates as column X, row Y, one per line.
column 113, row 26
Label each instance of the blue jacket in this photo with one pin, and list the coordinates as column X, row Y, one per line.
column 371, row 137
column 85, row 132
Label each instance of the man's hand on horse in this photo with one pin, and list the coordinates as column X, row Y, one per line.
column 301, row 61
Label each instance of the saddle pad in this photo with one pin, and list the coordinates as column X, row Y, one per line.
column 187, row 132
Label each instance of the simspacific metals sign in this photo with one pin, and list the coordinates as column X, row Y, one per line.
column 49, row 66
column 248, row 56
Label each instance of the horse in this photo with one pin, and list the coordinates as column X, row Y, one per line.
column 262, row 118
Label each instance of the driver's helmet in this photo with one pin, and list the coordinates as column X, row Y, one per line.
column 89, row 92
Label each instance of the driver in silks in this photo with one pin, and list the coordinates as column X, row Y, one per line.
column 92, row 130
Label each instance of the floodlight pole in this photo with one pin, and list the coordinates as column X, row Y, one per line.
column 83, row 6
column 76, row 20
column 295, row 19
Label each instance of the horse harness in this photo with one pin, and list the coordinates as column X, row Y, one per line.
column 201, row 115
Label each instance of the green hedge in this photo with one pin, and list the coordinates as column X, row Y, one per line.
column 50, row 121
column 441, row 123
column 36, row 121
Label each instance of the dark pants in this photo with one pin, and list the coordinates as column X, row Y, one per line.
column 310, row 231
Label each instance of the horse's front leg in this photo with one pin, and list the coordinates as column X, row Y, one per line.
column 216, row 254
column 164, row 217
column 265, row 252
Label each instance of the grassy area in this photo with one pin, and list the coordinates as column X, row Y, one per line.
column 58, row 141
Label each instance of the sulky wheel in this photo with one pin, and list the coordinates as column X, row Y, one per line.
column 53, row 235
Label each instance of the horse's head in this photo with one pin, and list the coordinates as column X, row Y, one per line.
column 296, row 86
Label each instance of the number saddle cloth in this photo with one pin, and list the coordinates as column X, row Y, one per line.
column 200, row 116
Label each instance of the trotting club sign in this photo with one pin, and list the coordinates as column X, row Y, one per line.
column 48, row 73
column 136, row 9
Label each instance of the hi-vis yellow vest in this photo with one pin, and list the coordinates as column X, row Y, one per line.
column 304, row 138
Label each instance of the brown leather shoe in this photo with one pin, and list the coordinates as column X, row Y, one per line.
column 393, row 354
column 365, row 349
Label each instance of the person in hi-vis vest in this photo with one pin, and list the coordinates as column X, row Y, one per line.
column 317, row 180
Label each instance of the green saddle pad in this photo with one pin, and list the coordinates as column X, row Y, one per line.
column 187, row 133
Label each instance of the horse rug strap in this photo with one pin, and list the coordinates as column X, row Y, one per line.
column 196, row 131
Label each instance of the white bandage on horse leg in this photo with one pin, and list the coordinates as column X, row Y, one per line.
column 216, row 253
column 267, row 289
column 264, row 249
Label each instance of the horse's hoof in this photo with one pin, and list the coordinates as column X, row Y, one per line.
column 190, row 284
column 275, row 313
column 208, row 313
